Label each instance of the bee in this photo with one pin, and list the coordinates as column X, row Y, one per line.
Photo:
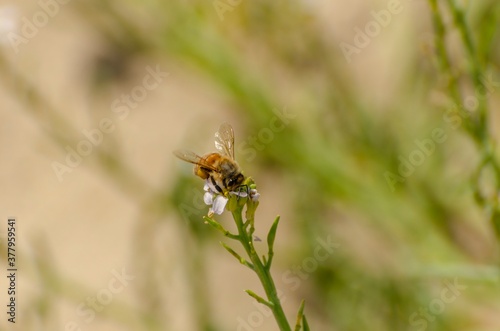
column 220, row 169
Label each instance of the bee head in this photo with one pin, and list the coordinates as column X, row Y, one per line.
column 234, row 181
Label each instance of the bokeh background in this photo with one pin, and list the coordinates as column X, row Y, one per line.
column 368, row 125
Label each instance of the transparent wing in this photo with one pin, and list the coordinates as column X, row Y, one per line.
column 193, row 158
column 224, row 140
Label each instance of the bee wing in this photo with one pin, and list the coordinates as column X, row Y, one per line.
column 193, row 158
column 224, row 140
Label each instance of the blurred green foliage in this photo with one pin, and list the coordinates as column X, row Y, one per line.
column 400, row 242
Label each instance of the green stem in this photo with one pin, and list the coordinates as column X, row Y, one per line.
column 478, row 126
column 262, row 272
column 475, row 69
column 442, row 54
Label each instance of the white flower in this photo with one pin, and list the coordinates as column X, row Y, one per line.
column 254, row 195
column 218, row 201
column 218, row 205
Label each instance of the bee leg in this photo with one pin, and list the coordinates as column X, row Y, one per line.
column 217, row 187
column 243, row 188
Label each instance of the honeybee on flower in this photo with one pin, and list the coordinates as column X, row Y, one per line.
column 220, row 171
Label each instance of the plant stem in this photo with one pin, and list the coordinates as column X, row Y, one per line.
column 477, row 126
column 263, row 273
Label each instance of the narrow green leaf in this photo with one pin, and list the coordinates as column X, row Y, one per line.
column 237, row 256
column 272, row 233
column 259, row 298
column 306, row 325
column 270, row 241
column 216, row 225
column 300, row 314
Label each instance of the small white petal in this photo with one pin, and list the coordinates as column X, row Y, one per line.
column 206, row 188
column 254, row 195
column 210, row 186
column 219, row 204
column 241, row 194
column 208, row 198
